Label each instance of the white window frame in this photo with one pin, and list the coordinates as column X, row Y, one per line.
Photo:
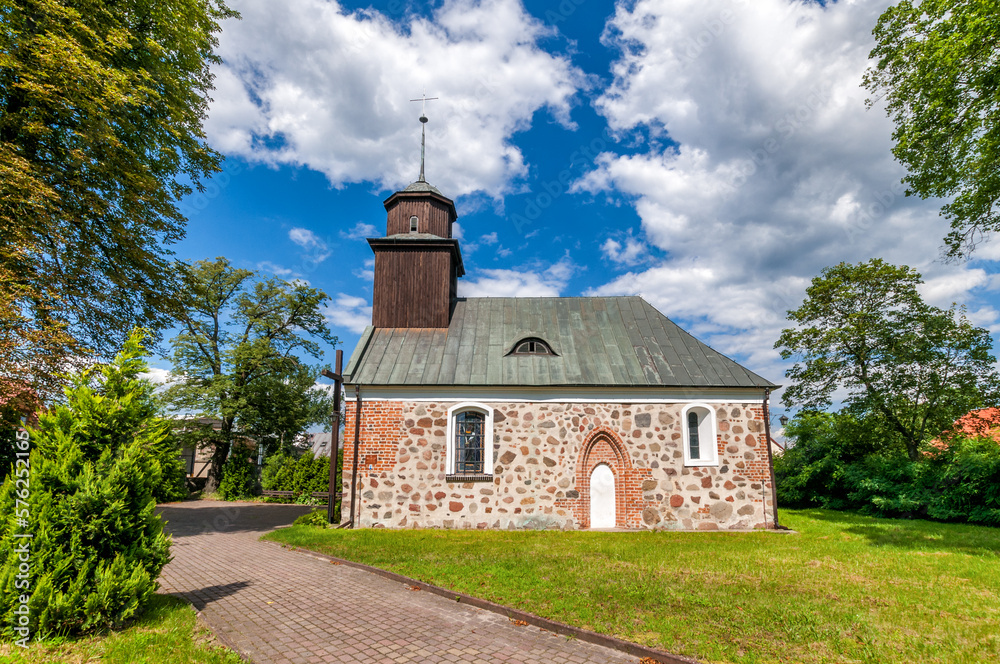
column 487, row 436
column 707, row 436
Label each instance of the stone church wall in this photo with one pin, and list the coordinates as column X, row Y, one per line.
column 543, row 454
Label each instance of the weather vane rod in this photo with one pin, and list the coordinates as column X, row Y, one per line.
column 423, row 99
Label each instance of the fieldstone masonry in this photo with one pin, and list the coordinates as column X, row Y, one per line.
column 543, row 456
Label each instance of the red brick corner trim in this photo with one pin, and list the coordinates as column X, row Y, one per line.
column 585, row 635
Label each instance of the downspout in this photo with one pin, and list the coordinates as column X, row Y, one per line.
column 770, row 458
column 357, row 443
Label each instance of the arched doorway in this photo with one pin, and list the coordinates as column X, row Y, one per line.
column 602, row 497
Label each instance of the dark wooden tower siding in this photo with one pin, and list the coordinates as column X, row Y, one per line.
column 434, row 216
column 413, row 282
column 416, row 270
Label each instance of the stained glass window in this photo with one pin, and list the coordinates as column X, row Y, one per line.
column 469, row 442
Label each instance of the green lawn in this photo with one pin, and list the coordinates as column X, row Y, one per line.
column 846, row 588
column 166, row 634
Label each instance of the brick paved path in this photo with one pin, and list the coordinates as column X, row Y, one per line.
column 281, row 606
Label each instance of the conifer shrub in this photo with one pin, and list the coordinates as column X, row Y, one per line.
column 97, row 545
column 239, row 477
column 278, row 472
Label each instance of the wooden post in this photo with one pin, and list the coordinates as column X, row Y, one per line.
column 338, row 382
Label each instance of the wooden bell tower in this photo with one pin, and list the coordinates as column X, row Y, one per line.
column 417, row 263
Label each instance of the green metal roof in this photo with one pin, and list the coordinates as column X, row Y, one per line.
column 598, row 341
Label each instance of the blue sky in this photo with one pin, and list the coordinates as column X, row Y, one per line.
column 711, row 156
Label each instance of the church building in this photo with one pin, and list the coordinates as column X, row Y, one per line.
column 539, row 412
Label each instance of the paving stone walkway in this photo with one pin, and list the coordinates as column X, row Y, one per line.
column 285, row 607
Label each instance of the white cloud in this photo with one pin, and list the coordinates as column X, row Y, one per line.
column 156, row 375
column 308, row 83
column 350, row 312
column 315, row 248
column 763, row 165
column 368, row 272
column 275, row 269
column 360, row 231
column 539, row 282
column 633, row 252
column 489, row 238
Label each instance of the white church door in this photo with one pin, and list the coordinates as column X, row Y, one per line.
column 602, row 497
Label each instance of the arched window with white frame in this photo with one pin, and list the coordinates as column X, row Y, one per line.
column 470, row 442
column 700, row 446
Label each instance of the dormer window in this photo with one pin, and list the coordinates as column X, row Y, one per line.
column 413, row 224
column 532, row 346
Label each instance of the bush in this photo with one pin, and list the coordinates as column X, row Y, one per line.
column 278, row 472
column 239, row 477
column 98, row 545
column 969, row 484
column 828, row 468
column 304, row 475
column 314, row 518
column 173, row 483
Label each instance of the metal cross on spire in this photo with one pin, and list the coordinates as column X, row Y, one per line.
column 423, row 99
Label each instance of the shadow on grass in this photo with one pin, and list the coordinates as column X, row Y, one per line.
column 202, row 597
column 914, row 534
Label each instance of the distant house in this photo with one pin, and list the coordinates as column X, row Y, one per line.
column 198, row 458
column 319, row 443
column 978, row 423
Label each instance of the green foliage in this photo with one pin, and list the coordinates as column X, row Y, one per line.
column 239, row 477
column 278, row 472
column 238, row 342
column 937, row 66
column 833, row 465
column 101, row 111
column 969, row 482
column 315, row 518
column 97, row 545
column 173, row 483
column 864, row 329
column 304, row 475
column 279, row 408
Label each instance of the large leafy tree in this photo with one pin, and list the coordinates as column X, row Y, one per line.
column 101, row 112
column 864, row 335
column 938, row 67
column 239, row 336
column 279, row 409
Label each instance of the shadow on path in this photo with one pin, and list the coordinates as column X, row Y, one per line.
column 202, row 597
column 204, row 517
